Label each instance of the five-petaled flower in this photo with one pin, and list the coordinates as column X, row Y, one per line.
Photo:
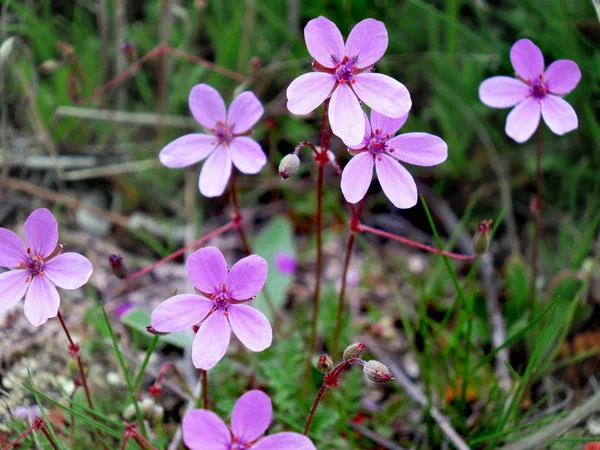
column 378, row 148
column 226, row 142
column 534, row 92
column 251, row 416
column 39, row 268
column 343, row 72
column 219, row 305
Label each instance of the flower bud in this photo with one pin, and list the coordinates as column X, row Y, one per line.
column 147, row 408
column 377, row 372
column 73, row 367
column 129, row 52
column 481, row 240
column 50, row 66
column 325, row 364
column 129, row 413
column 353, row 351
column 118, row 266
column 288, row 166
column 158, row 415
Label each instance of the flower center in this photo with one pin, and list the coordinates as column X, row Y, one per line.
column 34, row 264
column 377, row 144
column 221, row 299
column 239, row 446
column 345, row 70
column 538, row 88
column 222, row 132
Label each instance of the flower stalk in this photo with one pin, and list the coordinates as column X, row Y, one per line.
column 537, row 211
column 38, row 424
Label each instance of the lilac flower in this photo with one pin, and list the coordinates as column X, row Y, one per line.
column 251, row 416
column 380, row 149
column 38, row 269
column 534, row 92
column 227, row 140
column 26, row 412
column 219, row 306
column 285, row 263
column 344, row 74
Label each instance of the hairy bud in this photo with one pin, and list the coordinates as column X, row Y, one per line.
column 288, row 166
column 377, row 372
column 481, row 240
column 50, row 66
column 353, row 351
column 129, row 52
column 129, row 413
column 118, row 266
column 325, row 364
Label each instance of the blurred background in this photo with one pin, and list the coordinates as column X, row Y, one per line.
column 87, row 102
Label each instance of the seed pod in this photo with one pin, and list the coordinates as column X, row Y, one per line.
column 481, row 240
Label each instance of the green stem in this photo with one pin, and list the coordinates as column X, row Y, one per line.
column 140, row 375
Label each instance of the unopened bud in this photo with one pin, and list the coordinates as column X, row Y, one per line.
column 66, row 50
column 288, row 166
column 154, row 390
column 129, row 52
column 155, row 332
column 50, row 66
column 73, row 367
column 354, row 351
column 129, row 413
column 325, row 364
column 158, row 415
column 147, row 408
column 377, row 372
column 481, row 240
column 118, row 266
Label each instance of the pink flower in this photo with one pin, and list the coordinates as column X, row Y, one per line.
column 251, row 416
column 38, row 269
column 219, row 306
column 344, row 73
column 534, row 92
column 285, row 263
column 227, row 142
column 378, row 148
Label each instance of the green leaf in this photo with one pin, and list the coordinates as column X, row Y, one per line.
column 517, row 289
column 276, row 238
column 139, row 320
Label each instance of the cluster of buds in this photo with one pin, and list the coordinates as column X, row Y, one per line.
column 288, row 166
column 150, row 410
column 373, row 370
column 481, row 240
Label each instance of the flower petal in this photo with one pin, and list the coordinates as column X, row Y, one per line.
column 502, row 92
column 527, row 59
column 523, row 120
column 558, row 115
column 41, row 302
column 187, row 150
column 383, row 125
column 562, row 76
column 244, row 112
column 215, row 172
column 251, row 327
column 251, row 416
column 207, row 270
column 204, row 430
column 397, row 183
column 206, row 105
column 383, row 94
column 421, row 149
column 357, row 176
column 12, row 288
column 247, row 155
column 68, row 270
column 324, row 41
column 247, row 277
column 284, row 441
column 12, row 249
column 180, row 312
column 367, row 41
column 41, row 232
column 366, row 138
column 211, row 341
column 308, row 91
column 346, row 116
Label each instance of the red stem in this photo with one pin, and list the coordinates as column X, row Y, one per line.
column 47, row 434
column 204, row 375
column 412, row 243
column 142, row 441
column 238, row 215
column 74, row 348
column 313, row 408
column 23, row 435
column 231, row 224
column 537, row 217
